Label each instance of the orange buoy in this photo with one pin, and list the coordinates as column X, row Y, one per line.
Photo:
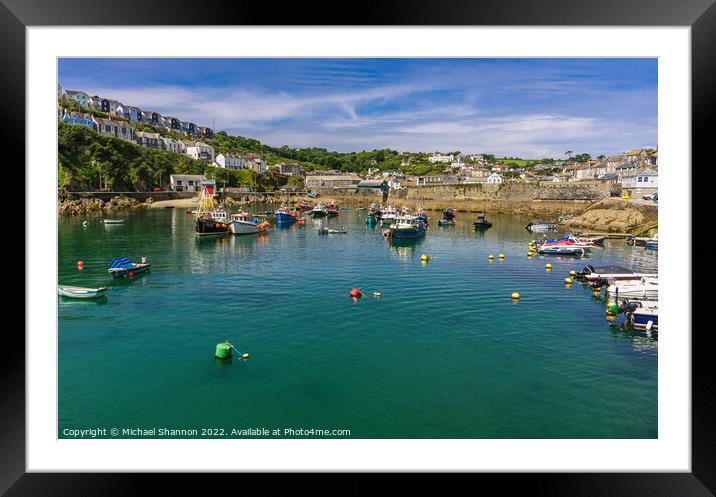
column 80, row 265
column 356, row 293
column 130, row 274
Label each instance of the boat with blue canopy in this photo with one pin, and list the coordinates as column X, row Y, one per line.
column 121, row 266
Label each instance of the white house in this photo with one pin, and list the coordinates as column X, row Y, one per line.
column 185, row 182
column 230, row 161
column 644, row 181
column 494, row 178
column 201, row 151
column 436, row 157
column 457, row 164
column 171, row 145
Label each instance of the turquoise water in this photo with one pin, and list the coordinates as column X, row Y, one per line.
column 444, row 353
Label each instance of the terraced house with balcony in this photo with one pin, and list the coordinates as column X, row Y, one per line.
column 78, row 118
column 78, row 96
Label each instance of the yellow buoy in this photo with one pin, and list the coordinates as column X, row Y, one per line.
column 529, row 254
column 515, row 295
column 568, row 281
column 424, row 257
column 245, row 355
column 572, row 273
column 490, row 257
column 377, row 294
column 548, row 266
column 501, row 256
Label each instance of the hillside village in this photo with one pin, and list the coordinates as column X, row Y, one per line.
column 632, row 172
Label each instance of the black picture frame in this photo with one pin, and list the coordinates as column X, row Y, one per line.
column 16, row 15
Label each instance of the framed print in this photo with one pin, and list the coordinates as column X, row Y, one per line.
column 426, row 243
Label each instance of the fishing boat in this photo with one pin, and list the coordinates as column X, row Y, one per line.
column 319, row 210
column 482, row 222
column 327, row 231
column 388, row 215
column 210, row 219
column 283, row 216
column 540, row 226
column 592, row 274
column 79, row 292
column 422, row 215
column 645, row 288
column 113, row 221
column 373, row 217
column 332, row 209
column 653, row 243
column 243, row 223
column 406, row 227
column 643, row 241
column 121, row 266
column 449, row 216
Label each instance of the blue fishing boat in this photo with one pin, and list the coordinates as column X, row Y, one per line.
column 405, row 227
column 283, row 216
column 121, row 266
column 422, row 216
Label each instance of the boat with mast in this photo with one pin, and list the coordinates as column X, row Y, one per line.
column 210, row 218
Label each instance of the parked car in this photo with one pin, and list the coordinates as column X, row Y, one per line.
column 655, row 197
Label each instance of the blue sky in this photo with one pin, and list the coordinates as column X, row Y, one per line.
column 530, row 108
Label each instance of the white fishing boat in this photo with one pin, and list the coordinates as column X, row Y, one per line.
column 388, row 215
column 320, row 210
column 644, row 288
column 113, row 221
column 243, row 223
column 79, row 292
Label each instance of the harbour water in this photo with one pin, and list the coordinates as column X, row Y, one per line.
column 443, row 353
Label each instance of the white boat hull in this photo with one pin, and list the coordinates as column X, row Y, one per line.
column 76, row 292
column 646, row 289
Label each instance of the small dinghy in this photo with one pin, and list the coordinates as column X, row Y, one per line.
column 113, row 221
column 80, row 292
column 482, row 223
column 121, row 266
column 327, row 231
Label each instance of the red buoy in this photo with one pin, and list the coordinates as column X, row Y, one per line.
column 356, row 293
column 130, row 274
column 80, row 265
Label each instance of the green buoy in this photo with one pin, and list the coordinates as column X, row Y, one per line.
column 223, row 350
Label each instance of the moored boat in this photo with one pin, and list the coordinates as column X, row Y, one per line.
column 540, row 226
column 388, row 215
column 283, row 216
column 113, row 221
column 449, row 216
column 79, row 292
column 210, row 220
column 422, row 215
column 645, row 288
column 640, row 314
column 482, row 222
column 121, row 266
column 332, row 209
column 319, row 210
column 243, row 223
column 592, row 274
column 329, row 231
column 406, row 227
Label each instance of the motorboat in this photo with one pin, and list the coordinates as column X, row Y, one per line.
column 388, row 215
column 243, row 223
column 644, row 288
column 79, row 292
column 121, row 266
column 592, row 274
column 448, row 219
column 481, row 222
column 422, row 215
column 540, row 226
column 113, row 221
column 641, row 314
column 319, row 210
